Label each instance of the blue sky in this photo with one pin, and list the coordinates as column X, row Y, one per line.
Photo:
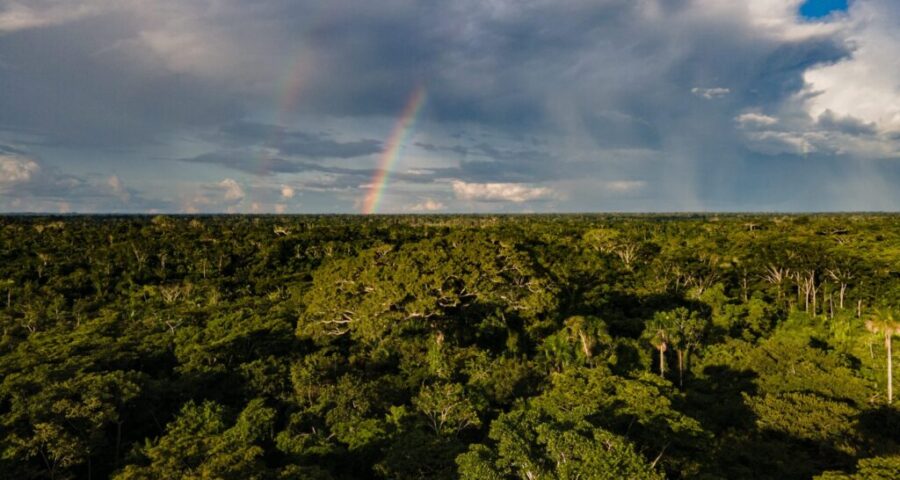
column 529, row 105
column 821, row 8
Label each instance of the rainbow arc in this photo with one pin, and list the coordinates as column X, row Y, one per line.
column 392, row 150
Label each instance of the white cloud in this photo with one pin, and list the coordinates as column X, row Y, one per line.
column 755, row 120
column 775, row 143
column 15, row 169
column 118, row 188
column 779, row 18
column 34, row 186
column 226, row 195
column 866, row 85
column 710, row 93
column 287, row 192
column 428, row 205
column 280, row 208
column 115, row 183
column 499, row 192
column 232, row 189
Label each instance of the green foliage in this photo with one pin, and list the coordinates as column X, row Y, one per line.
column 877, row 468
column 447, row 409
column 795, row 362
column 529, row 444
column 438, row 285
column 808, row 417
column 200, row 444
column 444, row 347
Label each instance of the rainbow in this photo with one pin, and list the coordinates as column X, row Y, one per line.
column 289, row 93
column 291, row 87
column 392, row 150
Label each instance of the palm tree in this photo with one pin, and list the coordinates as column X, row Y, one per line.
column 657, row 332
column 588, row 332
column 558, row 351
column 686, row 330
column 886, row 322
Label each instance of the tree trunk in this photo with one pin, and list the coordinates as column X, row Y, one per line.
column 890, row 370
column 680, row 354
column 812, row 286
column 585, row 346
column 662, row 363
column 806, row 298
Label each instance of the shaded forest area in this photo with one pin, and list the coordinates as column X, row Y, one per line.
column 438, row 347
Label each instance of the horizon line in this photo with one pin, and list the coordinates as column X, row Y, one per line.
column 448, row 214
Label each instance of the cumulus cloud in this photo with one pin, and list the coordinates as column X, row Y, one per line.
column 755, row 120
column 779, row 18
column 226, row 195
column 15, row 169
column 118, row 188
column 231, row 190
column 865, row 84
column 29, row 184
column 499, row 192
column 287, row 191
column 427, row 205
column 777, row 143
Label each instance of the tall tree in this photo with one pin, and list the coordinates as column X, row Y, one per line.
column 886, row 322
column 686, row 329
column 657, row 332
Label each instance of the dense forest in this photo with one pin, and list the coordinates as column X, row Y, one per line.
column 438, row 347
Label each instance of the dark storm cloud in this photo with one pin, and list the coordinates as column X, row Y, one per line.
column 258, row 163
column 488, row 163
column 11, row 150
column 501, row 65
column 316, row 147
column 586, row 93
column 486, row 150
column 296, row 143
column 68, row 86
column 261, row 164
column 845, row 124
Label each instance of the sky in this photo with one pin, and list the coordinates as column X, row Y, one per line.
column 403, row 106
